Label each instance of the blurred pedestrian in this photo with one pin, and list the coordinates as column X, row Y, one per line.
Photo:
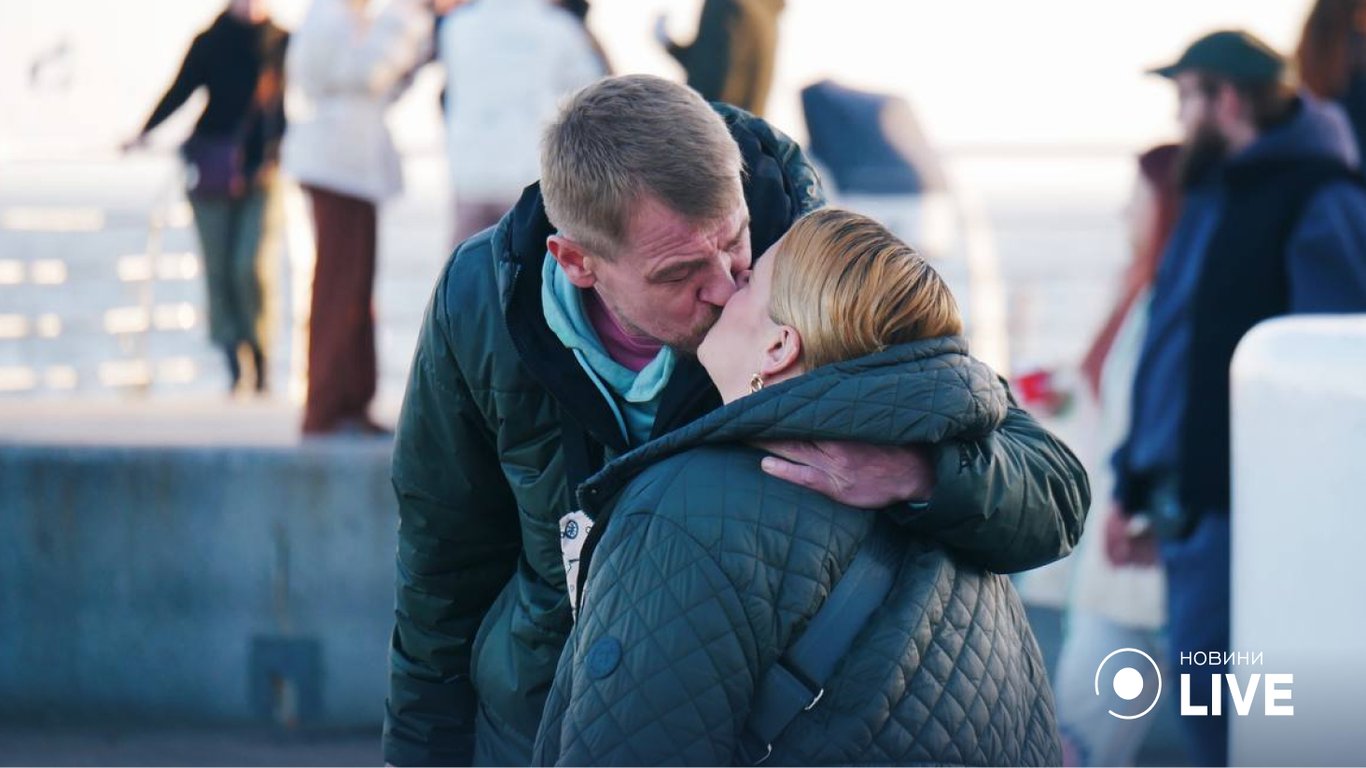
column 1273, row 222
column 442, row 10
column 348, row 65
column 1332, row 58
column 508, row 64
column 731, row 59
column 1116, row 599
column 579, row 9
column 231, row 161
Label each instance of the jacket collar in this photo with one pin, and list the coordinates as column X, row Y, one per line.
column 923, row 392
column 519, row 245
column 1313, row 129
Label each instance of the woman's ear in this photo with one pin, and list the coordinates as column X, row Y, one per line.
column 573, row 259
column 783, row 354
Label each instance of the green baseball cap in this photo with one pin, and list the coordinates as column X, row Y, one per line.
column 1234, row 54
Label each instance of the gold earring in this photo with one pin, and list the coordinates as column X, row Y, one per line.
column 756, row 383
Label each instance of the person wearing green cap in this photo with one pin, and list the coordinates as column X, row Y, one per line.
column 1273, row 223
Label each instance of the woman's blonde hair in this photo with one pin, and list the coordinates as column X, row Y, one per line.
column 852, row 288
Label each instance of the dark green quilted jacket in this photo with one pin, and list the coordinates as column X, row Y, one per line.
column 496, row 409
column 708, row 569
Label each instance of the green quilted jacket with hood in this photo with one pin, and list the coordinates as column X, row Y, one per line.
column 708, row 569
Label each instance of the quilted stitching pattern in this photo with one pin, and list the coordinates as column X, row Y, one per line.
column 709, row 568
column 926, row 391
column 683, row 669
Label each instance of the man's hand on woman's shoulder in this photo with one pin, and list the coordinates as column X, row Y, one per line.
column 857, row 474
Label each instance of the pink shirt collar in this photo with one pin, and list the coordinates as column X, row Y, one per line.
column 633, row 352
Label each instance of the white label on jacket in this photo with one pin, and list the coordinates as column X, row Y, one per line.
column 574, row 528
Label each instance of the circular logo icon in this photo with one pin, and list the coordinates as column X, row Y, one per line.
column 1131, row 681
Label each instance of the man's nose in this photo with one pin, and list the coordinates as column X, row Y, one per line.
column 741, row 263
column 721, row 287
column 718, row 291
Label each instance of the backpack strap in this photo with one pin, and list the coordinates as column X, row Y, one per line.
column 796, row 681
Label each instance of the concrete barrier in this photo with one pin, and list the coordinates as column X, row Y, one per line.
column 196, row 585
column 1299, row 537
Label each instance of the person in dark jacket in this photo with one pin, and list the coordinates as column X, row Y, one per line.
column 1273, row 223
column 731, row 59
column 239, row 60
column 706, row 571
column 549, row 349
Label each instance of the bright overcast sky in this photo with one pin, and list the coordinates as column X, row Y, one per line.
column 995, row 72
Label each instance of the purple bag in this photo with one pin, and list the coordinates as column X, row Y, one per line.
column 215, row 166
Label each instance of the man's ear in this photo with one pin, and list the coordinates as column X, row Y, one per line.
column 576, row 262
column 783, row 353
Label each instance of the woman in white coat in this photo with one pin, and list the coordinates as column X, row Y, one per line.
column 348, row 62
column 508, row 64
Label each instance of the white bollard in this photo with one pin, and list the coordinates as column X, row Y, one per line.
column 1299, row 538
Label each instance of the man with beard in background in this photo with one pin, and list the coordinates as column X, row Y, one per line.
column 1273, row 223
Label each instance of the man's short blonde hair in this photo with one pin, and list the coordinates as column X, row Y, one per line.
column 852, row 288
column 622, row 137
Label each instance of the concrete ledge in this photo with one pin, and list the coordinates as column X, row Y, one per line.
column 196, row 584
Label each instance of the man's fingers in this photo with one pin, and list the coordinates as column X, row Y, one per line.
column 1144, row 549
column 1114, row 552
column 800, row 474
column 1117, row 547
column 796, row 451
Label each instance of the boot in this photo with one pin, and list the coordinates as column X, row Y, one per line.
column 258, row 361
column 234, row 367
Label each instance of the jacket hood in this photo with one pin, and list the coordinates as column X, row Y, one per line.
column 1316, row 129
column 923, row 392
